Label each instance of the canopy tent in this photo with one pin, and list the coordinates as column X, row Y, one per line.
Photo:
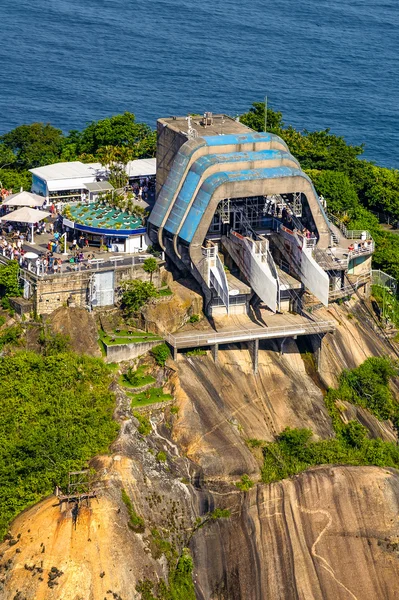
column 24, row 199
column 99, row 186
column 27, row 215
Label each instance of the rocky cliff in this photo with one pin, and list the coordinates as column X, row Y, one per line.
column 331, row 532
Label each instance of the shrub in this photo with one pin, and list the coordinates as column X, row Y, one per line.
column 161, row 456
column 194, row 319
column 135, row 521
column 136, row 293
column 144, row 427
column 161, row 353
column 245, row 484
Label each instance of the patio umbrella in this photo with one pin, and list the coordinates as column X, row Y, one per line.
column 31, row 255
column 24, row 199
column 27, row 215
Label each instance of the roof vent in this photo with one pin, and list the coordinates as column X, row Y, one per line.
column 208, row 119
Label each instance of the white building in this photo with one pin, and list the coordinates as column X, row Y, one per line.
column 66, row 181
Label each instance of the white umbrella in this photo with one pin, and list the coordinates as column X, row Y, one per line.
column 24, row 199
column 30, row 216
column 31, row 255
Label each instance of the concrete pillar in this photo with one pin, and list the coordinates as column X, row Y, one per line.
column 316, row 342
column 253, row 347
column 174, row 350
column 282, row 342
column 215, row 352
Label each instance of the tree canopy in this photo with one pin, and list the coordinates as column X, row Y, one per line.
column 56, row 414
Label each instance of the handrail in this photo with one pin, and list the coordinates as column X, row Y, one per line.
column 203, row 339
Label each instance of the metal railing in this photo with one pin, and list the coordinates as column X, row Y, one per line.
column 67, row 268
column 347, row 290
column 381, row 278
column 246, row 334
column 350, row 234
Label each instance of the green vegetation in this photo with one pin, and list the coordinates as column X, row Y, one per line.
column 194, row 319
column 353, row 187
column 196, row 352
column 145, row 426
column 161, row 354
column 137, row 378
column 367, row 386
column 9, row 282
column 127, row 337
column 56, row 414
column 180, row 583
column 161, row 456
column 113, row 141
column 135, row 294
column 245, row 483
column 135, row 521
column 387, row 302
column 150, row 265
column 150, row 396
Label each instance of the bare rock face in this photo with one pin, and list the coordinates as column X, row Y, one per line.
column 170, row 313
column 79, row 325
column 329, row 533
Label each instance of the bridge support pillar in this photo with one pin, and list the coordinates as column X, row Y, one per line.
column 215, row 352
column 253, row 347
column 282, row 342
column 316, row 342
column 174, row 352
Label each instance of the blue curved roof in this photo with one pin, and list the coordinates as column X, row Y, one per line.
column 200, row 166
column 211, row 184
column 182, row 160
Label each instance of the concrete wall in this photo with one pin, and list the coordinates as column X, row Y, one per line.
column 361, row 265
column 168, row 144
column 52, row 291
column 121, row 352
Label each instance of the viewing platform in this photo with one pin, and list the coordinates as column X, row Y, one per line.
column 242, row 329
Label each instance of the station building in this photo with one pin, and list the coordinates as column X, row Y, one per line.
column 235, row 210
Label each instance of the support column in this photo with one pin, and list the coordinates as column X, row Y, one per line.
column 282, row 342
column 174, row 349
column 253, row 347
column 215, row 352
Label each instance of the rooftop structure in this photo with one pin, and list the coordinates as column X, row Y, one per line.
column 67, row 181
column 227, row 195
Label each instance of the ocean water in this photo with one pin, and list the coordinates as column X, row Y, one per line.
column 323, row 63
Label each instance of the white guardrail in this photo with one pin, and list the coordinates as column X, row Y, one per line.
column 207, row 339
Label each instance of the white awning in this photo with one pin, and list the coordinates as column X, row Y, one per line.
column 24, row 199
column 26, row 215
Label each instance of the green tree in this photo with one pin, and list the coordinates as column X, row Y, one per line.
column 150, row 265
column 161, row 353
column 255, row 118
column 34, row 145
column 118, row 131
column 15, row 180
column 9, row 280
column 338, row 191
column 136, row 293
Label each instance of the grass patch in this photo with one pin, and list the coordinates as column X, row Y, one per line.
column 165, row 292
column 127, row 337
column 135, row 521
column 150, row 396
column 137, row 378
column 161, row 456
column 196, row 352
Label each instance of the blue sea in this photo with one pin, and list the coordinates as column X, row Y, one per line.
column 323, row 63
